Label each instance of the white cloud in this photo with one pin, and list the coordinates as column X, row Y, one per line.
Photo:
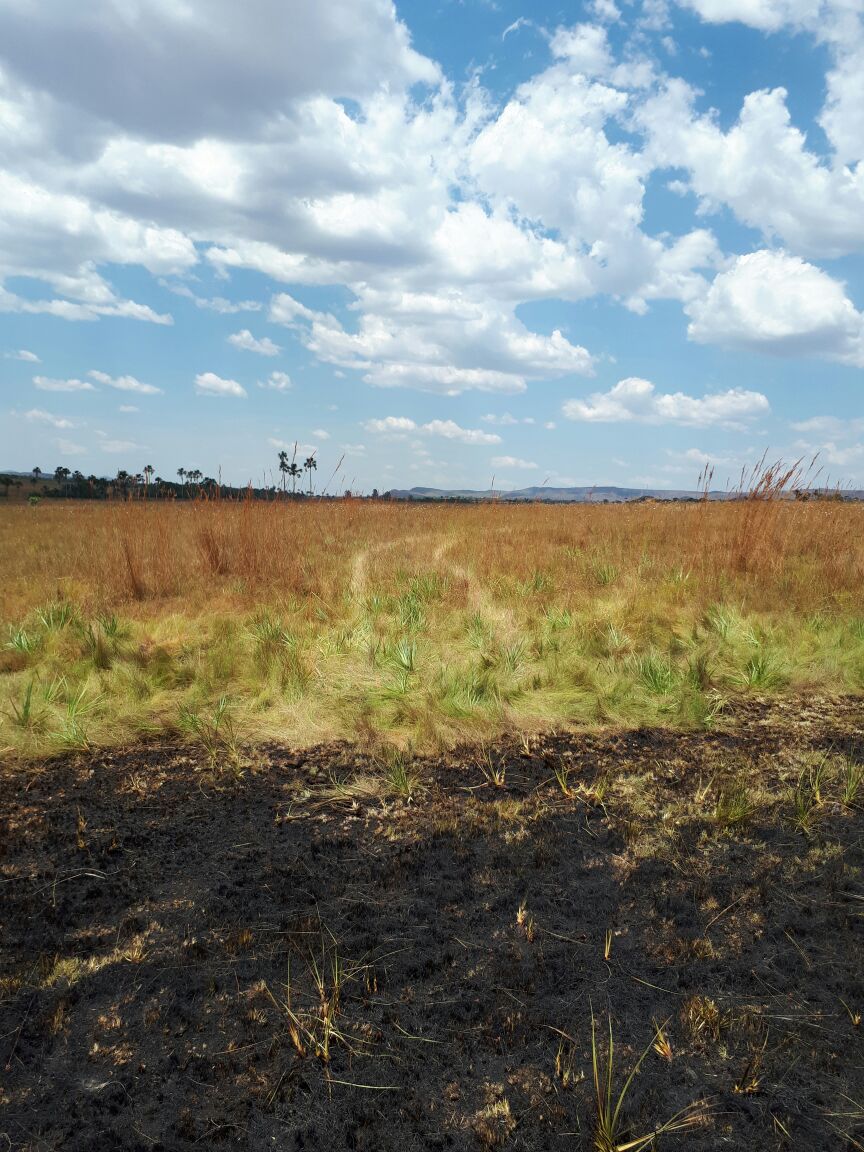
column 634, row 399
column 249, row 343
column 435, row 342
column 449, row 429
column 767, row 15
column 585, row 47
column 513, row 462
column 503, row 421
column 605, row 10
column 60, row 238
column 320, row 434
column 70, row 448
column 276, row 381
column 127, row 408
column 520, row 22
column 38, row 415
column 434, row 213
column 761, row 169
column 831, row 426
column 209, row 384
column 23, row 354
column 775, row 303
column 48, row 384
column 391, row 424
column 843, row 115
column 187, row 59
column 215, row 303
column 124, row 383
column 284, row 309
column 452, row 431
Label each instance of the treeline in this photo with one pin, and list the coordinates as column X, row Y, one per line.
column 65, row 484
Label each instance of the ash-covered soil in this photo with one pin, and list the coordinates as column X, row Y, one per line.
column 305, row 959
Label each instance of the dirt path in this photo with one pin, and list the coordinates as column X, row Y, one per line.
column 478, row 598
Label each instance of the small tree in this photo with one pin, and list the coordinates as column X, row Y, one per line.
column 309, row 464
column 283, row 466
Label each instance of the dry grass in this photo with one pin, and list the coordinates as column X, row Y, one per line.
column 424, row 623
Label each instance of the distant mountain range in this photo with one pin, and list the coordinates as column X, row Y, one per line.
column 599, row 494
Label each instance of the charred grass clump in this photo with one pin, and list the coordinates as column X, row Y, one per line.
column 417, row 624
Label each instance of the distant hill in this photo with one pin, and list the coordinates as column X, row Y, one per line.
column 599, row 494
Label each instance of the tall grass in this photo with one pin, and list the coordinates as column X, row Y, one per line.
column 421, row 622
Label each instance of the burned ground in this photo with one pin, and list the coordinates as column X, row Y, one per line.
column 337, row 952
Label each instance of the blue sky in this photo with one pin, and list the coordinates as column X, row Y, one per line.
column 597, row 243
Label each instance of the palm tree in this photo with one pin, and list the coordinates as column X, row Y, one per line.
column 294, row 470
column 181, row 472
column 148, row 471
column 308, row 464
column 37, row 472
column 283, row 467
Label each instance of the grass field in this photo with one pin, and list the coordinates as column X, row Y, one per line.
column 237, row 623
column 376, row 826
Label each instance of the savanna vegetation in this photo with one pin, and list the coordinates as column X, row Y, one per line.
column 237, row 622
column 365, row 825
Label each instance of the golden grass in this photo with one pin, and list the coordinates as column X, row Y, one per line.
column 423, row 623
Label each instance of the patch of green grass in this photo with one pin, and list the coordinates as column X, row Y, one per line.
column 215, row 730
column 852, row 777
column 656, row 673
column 734, row 807
column 611, row 1131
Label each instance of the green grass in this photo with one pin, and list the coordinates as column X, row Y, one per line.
column 424, row 644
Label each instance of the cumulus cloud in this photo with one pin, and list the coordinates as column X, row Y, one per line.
column 391, row 424
column 635, row 399
column 23, row 354
column 209, row 384
column 776, row 303
column 761, row 169
column 448, row 429
column 249, row 343
column 39, row 416
column 276, row 382
column 208, row 68
column 125, row 383
column 767, row 15
column 445, row 343
column 343, row 160
column 49, row 384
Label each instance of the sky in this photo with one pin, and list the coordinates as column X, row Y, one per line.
column 442, row 241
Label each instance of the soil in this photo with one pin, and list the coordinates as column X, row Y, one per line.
column 298, row 960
